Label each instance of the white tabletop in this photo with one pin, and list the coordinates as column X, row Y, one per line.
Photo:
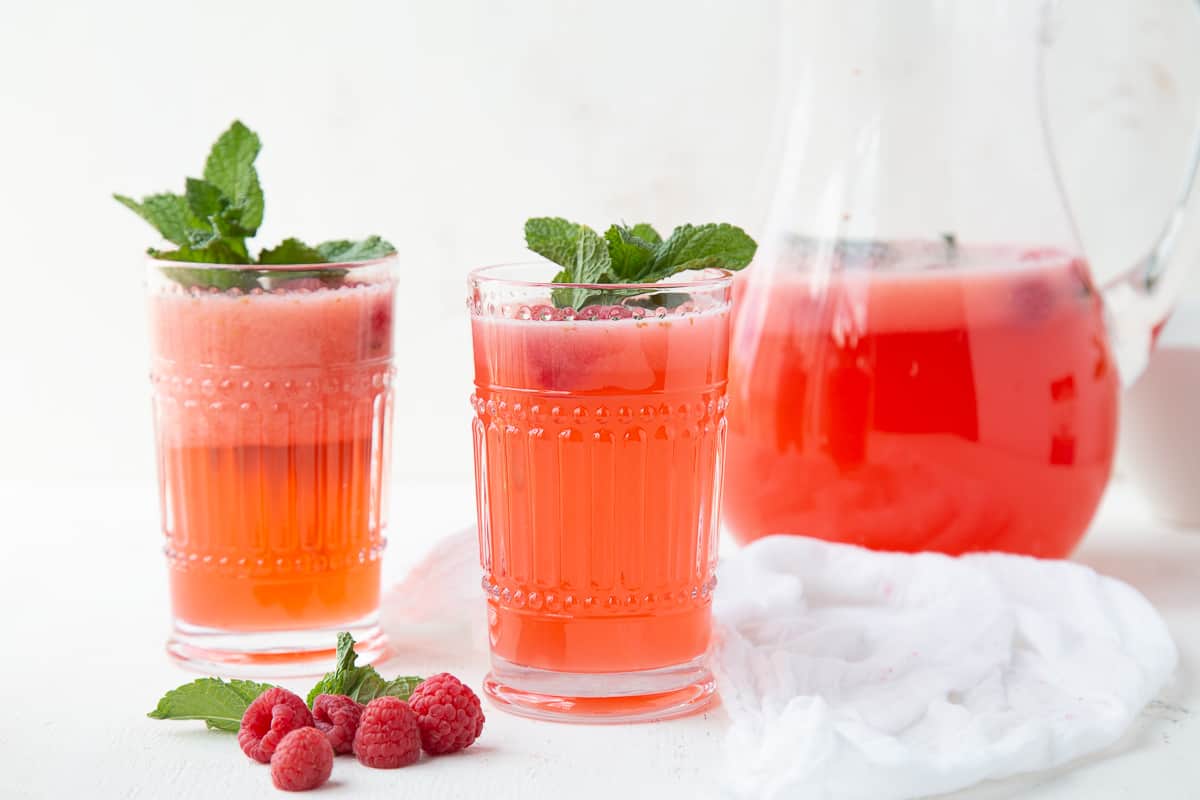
column 83, row 586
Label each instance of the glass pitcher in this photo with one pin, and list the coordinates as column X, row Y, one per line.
column 921, row 358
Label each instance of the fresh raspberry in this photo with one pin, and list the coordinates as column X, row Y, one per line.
column 273, row 714
column 387, row 735
column 302, row 761
column 448, row 714
column 337, row 717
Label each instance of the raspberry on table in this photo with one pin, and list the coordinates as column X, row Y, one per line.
column 273, row 714
column 337, row 715
column 387, row 735
column 449, row 714
column 302, row 761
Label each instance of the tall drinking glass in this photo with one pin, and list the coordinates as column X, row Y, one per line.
column 599, row 444
column 272, row 403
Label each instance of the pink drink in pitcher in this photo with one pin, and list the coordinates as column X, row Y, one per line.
column 916, row 407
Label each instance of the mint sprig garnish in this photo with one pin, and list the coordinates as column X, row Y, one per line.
column 363, row 684
column 221, row 704
column 631, row 254
column 210, row 222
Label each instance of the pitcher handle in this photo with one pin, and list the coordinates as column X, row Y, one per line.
column 1138, row 300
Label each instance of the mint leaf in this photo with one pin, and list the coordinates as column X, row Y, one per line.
column 206, row 203
column 401, row 687
column 552, row 237
column 363, row 684
column 219, row 703
column 645, row 231
column 592, row 262
column 169, row 214
column 343, row 250
column 204, row 199
column 291, row 251
column 721, row 246
column 578, row 248
column 629, row 253
column 230, row 168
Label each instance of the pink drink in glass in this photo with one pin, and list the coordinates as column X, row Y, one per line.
column 272, row 416
column 599, row 438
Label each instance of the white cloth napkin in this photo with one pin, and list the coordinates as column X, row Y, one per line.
column 854, row 674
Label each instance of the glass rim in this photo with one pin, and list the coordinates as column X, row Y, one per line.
column 152, row 261
column 715, row 278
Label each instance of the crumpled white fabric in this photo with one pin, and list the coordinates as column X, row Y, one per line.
column 440, row 606
column 849, row 673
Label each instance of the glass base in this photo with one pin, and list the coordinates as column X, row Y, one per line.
column 272, row 654
column 601, row 698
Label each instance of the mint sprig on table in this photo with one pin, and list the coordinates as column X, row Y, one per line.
column 221, row 704
column 363, row 684
column 631, row 254
column 210, row 222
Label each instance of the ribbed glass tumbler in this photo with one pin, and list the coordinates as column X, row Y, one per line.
column 599, row 440
column 272, row 405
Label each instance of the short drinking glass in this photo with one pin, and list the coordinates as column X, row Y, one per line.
column 599, row 438
column 272, row 399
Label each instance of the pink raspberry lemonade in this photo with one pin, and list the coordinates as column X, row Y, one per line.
column 923, row 404
column 272, row 410
column 599, row 437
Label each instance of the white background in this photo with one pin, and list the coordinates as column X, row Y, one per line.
column 441, row 126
